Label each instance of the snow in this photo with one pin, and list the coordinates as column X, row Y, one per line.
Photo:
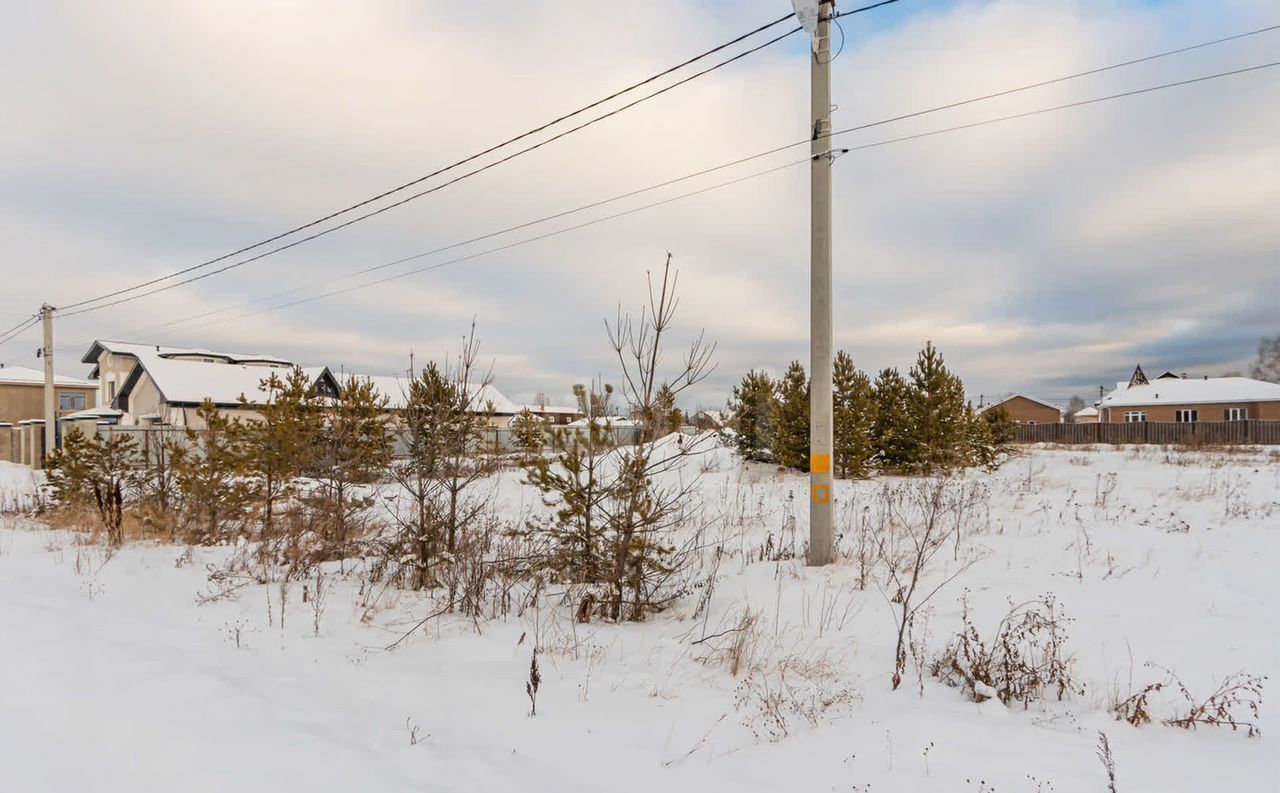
column 23, row 375
column 161, row 351
column 120, row 681
column 1177, row 391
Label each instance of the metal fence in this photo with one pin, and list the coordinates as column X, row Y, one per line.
column 491, row 439
column 1168, row 433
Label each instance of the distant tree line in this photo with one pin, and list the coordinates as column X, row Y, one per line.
column 919, row 423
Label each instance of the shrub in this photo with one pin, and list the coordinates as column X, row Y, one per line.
column 1025, row 660
column 1234, row 703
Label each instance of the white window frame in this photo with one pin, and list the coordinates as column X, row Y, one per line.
column 75, row 397
column 1135, row 416
column 1235, row 414
column 1186, row 415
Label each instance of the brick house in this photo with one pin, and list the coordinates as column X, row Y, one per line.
column 22, row 394
column 1179, row 399
column 1026, row 410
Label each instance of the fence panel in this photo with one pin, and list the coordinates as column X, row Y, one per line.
column 1164, row 433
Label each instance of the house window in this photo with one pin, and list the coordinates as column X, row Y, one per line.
column 1235, row 414
column 1186, row 416
column 111, row 390
column 1134, row 416
column 71, row 401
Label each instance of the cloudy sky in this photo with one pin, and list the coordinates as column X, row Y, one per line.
column 1045, row 255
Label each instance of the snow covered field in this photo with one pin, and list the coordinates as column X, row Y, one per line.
column 116, row 679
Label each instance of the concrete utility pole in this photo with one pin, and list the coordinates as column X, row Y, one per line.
column 821, row 519
column 50, row 403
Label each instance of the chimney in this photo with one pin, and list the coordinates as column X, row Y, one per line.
column 1206, row 377
column 1184, row 376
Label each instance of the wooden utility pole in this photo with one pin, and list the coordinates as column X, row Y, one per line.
column 821, row 481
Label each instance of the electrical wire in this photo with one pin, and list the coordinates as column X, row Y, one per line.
column 731, row 163
column 876, row 144
column 417, row 195
column 353, row 207
column 472, row 157
column 17, row 331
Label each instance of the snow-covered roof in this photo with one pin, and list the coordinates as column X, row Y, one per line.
column 1178, row 391
column 396, row 390
column 1088, row 411
column 192, row 382
column 160, row 351
column 22, row 375
column 105, row 411
column 991, row 405
column 563, row 410
column 613, row 421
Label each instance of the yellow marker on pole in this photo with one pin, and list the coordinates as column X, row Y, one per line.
column 820, row 464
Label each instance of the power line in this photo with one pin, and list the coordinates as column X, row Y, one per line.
column 17, row 330
column 876, row 144
column 477, row 155
column 469, row 174
column 739, row 161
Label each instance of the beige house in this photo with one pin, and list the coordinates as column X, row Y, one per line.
column 1085, row 415
column 22, row 410
column 1180, row 399
column 22, row 394
column 1026, row 410
column 149, row 384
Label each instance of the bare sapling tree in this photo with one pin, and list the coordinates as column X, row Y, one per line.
column 914, row 529
column 444, row 463
column 642, row 510
column 115, row 482
column 464, row 462
column 158, row 485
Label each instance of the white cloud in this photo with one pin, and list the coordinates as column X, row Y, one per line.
column 151, row 136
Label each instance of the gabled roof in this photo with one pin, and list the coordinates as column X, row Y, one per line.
column 22, row 375
column 1087, row 411
column 187, row 376
column 396, row 390
column 985, row 408
column 1178, row 391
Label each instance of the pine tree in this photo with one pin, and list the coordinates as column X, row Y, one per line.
column 210, row 473
column 283, row 440
column 980, row 443
column 114, row 481
column 894, row 442
column 1003, row 428
column 353, row 448
column 70, row 469
column 750, row 416
column 791, row 419
column 667, row 416
column 855, row 411
column 529, row 432
column 937, row 412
